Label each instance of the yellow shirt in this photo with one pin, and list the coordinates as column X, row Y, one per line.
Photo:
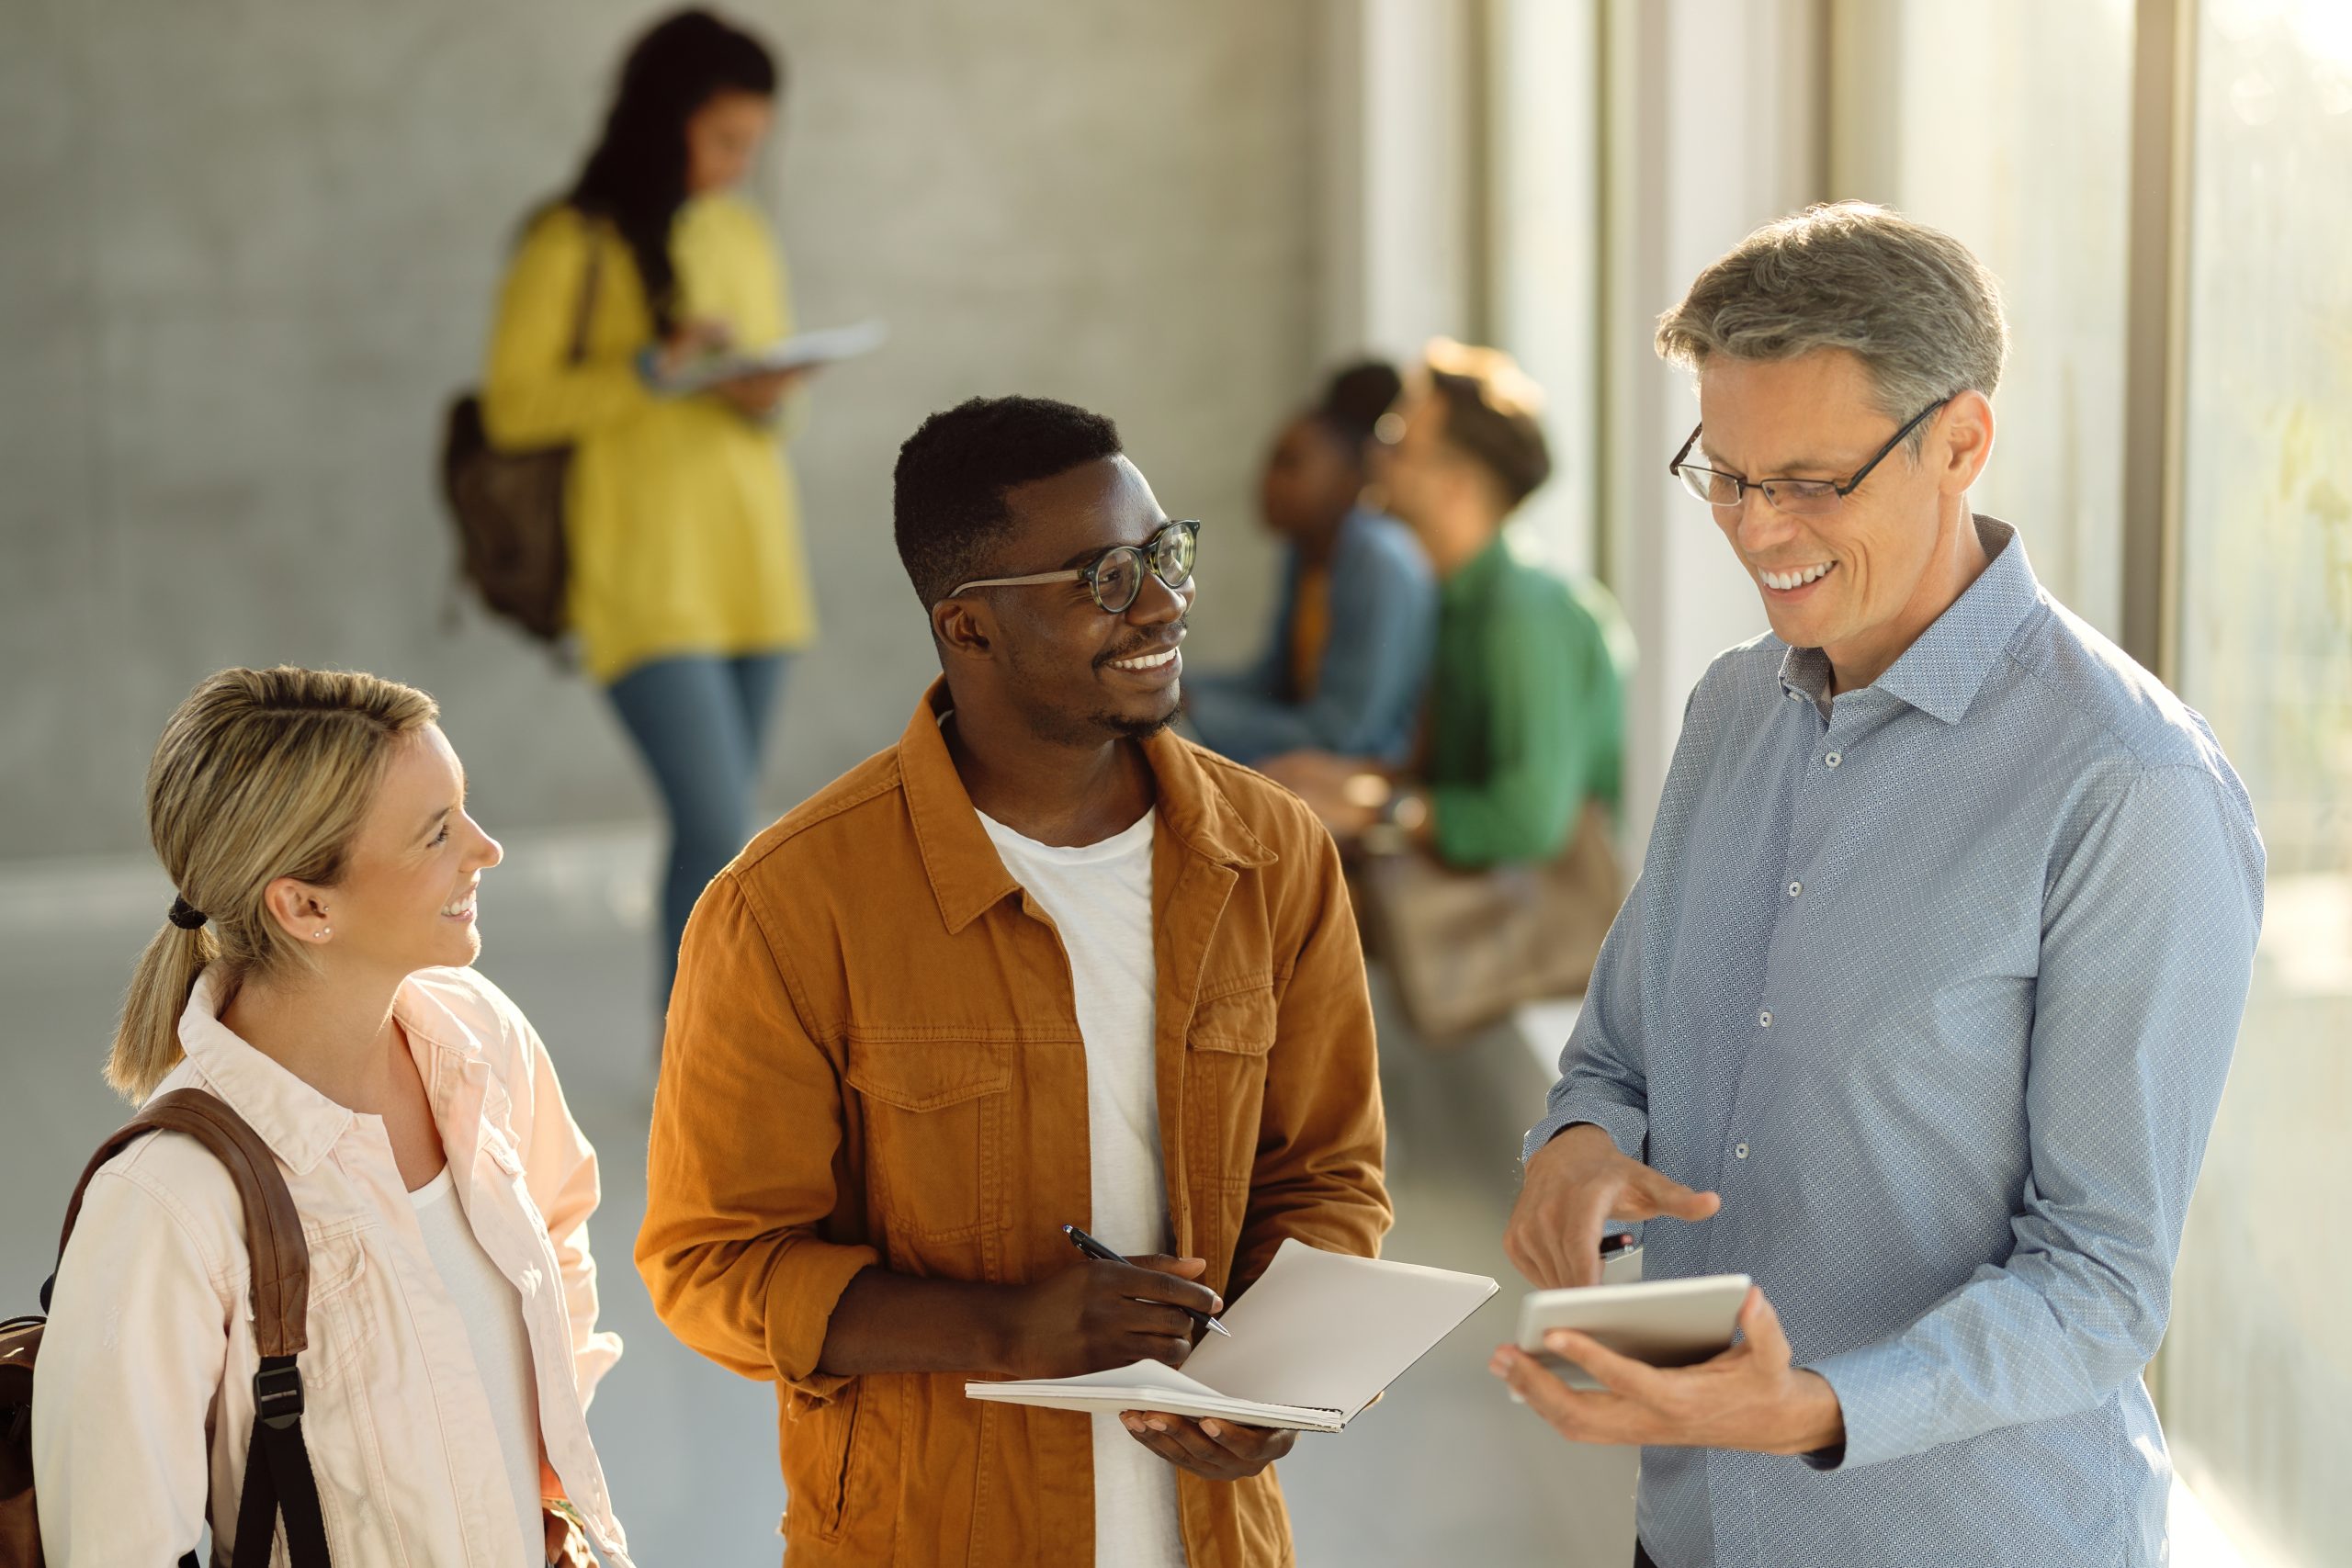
column 684, row 527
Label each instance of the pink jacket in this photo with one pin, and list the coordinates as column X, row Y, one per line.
column 145, row 1383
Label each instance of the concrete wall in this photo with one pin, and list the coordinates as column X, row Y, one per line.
column 249, row 248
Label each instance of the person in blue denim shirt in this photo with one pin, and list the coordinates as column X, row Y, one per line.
column 1349, row 656
column 1921, row 1009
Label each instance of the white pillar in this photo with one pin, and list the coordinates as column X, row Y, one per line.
column 1711, row 131
column 1399, row 250
column 1544, row 123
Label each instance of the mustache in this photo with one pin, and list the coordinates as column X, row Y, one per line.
column 1175, row 635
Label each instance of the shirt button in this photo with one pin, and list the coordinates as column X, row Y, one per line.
column 1740, row 1150
column 1765, row 1018
column 1795, row 888
column 1832, row 759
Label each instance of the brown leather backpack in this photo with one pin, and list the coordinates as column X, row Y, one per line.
column 278, row 1465
column 508, row 506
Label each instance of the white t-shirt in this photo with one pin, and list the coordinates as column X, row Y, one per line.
column 1099, row 898
column 493, row 1313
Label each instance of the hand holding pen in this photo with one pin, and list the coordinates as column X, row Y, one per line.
column 1102, row 1314
column 1101, row 1254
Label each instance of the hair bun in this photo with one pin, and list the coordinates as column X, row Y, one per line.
column 1358, row 395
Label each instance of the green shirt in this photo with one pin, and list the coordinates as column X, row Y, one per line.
column 1528, row 707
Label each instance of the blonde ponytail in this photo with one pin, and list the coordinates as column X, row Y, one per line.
column 147, row 1044
column 261, row 773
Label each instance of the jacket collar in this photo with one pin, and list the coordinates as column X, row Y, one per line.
column 298, row 1123
column 1942, row 672
column 967, row 876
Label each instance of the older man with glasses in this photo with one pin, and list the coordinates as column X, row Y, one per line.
column 1041, row 964
column 1921, row 1009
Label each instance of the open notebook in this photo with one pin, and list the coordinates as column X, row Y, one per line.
column 810, row 348
column 1314, row 1341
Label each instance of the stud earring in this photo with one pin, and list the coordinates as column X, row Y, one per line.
column 324, row 931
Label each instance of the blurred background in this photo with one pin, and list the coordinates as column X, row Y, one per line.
column 249, row 250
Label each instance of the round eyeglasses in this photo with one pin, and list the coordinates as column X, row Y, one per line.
column 1799, row 497
column 1115, row 576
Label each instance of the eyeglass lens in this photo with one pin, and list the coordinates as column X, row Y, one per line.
column 1118, row 578
column 1796, row 496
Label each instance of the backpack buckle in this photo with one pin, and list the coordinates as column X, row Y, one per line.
column 278, row 1395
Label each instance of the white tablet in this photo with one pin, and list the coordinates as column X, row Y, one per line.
column 1667, row 1323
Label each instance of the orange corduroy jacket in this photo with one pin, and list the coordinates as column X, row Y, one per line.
column 874, row 1061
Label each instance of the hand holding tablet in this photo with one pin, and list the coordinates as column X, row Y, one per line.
column 1662, row 1323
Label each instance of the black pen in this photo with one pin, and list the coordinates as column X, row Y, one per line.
column 1101, row 1254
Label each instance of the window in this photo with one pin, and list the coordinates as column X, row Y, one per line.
column 2257, row 1384
column 2012, row 133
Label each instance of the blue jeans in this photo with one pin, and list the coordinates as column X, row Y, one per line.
column 698, row 721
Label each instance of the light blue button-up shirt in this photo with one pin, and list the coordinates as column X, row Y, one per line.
column 1937, row 984
column 1375, row 663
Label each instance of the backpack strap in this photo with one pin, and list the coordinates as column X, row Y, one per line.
column 586, row 307
column 278, row 1473
column 278, row 1461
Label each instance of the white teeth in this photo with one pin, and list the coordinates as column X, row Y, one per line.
column 1151, row 662
column 464, row 906
column 1797, row 578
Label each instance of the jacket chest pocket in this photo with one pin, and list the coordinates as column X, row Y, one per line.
column 934, row 1118
column 333, row 1329
column 1224, row 1059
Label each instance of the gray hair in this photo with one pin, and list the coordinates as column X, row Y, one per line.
column 1920, row 311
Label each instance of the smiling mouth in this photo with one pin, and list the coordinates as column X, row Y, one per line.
column 1797, row 577
column 1147, row 663
column 459, row 908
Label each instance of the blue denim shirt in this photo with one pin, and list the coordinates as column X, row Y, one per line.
column 1937, row 984
column 1374, row 668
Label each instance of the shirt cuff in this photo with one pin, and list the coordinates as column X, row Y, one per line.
column 803, row 1291
column 1627, row 1127
column 1886, row 1393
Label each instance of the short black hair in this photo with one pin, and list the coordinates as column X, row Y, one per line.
column 947, row 496
column 1356, row 397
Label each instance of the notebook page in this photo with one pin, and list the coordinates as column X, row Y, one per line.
column 1326, row 1331
column 1143, row 1376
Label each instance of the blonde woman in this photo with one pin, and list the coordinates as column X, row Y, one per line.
column 314, row 974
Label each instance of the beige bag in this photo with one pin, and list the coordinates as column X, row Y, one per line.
column 1469, row 947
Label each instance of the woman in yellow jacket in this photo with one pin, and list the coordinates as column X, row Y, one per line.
column 689, row 585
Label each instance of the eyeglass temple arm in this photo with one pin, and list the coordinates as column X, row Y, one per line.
column 1076, row 574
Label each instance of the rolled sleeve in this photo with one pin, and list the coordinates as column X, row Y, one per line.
column 747, row 1122
column 2146, row 956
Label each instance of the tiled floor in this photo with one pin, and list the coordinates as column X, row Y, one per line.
column 1444, row 1470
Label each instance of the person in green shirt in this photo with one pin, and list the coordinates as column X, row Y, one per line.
column 1526, row 717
